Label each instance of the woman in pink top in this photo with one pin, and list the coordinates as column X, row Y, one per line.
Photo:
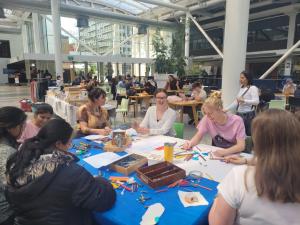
column 227, row 130
column 41, row 116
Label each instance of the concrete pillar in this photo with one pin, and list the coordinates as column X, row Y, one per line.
column 27, row 69
column 86, row 68
column 290, row 43
column 36, row 33
column 235, row 45
column 132, row 68
column 25, row 38
column 55, row 10
column 187, row 40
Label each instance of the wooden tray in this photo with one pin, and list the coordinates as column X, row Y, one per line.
column 129, row 164
column 109, row 147
column 160, row 174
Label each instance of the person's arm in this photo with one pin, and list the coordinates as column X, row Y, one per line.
column 221, row 213
column 238, row 147
column 91, row 193
column 232, row 106
column 254, row 97
column 202, row 129
column 146, row 120
column 167, row 126
column 231, row 192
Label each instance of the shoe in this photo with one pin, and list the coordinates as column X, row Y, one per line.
column 191, row 122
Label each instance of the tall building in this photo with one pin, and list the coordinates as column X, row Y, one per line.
column 104, row 38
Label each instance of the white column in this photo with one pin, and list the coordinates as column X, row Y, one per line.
column 36, row 33
column 25, row 38
column 147, row 44
column 55, row 10
column 235, row 44
column 290, row 43
column 187, row 39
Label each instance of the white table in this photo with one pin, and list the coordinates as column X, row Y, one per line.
column 211, row 169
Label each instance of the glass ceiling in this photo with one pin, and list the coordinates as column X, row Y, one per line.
column 131, row 6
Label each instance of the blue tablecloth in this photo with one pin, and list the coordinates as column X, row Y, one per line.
column 129, row 211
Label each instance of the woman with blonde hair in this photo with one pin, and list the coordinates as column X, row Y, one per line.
column 267, row 192
column 227, row 130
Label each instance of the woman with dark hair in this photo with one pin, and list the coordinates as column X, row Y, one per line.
column 42, row 114
column 12, row 121
column 91, row 117
column 172, row 84
column 246, row 101
column 46, row 185
column 159, row 119
column 266, row 190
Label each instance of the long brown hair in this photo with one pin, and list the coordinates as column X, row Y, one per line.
column 276, row 138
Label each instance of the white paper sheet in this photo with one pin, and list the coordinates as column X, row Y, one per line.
column 153, row 214
column 102, row 159
column 94, row 137
column 200, row 199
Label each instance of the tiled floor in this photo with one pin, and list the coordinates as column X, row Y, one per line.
column 11, row 95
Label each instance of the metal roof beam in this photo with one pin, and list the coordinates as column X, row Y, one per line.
column 72, row 10
column 165, row 4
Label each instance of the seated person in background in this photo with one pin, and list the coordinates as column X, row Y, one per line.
column 172, row 84
column 267, row 191
column 159, row 119
column 198, row 94
column 227, row 130
column 121, row 83
column 297, row 92
column 47, row 186
column 289, row 88
column 91, row 117
column 150, row 87
column 42, row 115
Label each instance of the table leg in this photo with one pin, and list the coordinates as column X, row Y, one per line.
column 135, row 107
column 195, row 115
column 181, row 115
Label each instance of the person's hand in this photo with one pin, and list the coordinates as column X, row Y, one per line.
column 135, row 125
column 143, row 130
column 218, row 153
column 235, row 159
column 108, row 129
column 103, row 132
column 187, row 145
column 240, row 100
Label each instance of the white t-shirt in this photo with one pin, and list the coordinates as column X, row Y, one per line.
column 254, row 210
column 250, row 97
column 161, row 127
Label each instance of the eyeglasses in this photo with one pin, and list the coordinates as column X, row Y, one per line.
column 160, row 98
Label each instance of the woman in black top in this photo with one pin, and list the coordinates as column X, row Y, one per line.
column 47, row 187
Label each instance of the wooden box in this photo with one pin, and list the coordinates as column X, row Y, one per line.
column 129, row 164
column 160, row 174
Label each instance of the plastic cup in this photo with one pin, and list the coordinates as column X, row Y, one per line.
column 168, row 152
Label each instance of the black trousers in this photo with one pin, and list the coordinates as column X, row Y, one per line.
column 247, row 118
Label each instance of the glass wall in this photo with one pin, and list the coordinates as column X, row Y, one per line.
column 264, row 34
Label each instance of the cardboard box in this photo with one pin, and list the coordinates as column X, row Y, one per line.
column 129, row 164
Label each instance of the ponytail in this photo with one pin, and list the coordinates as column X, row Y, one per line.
column 214, row 100
column 31, row 150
